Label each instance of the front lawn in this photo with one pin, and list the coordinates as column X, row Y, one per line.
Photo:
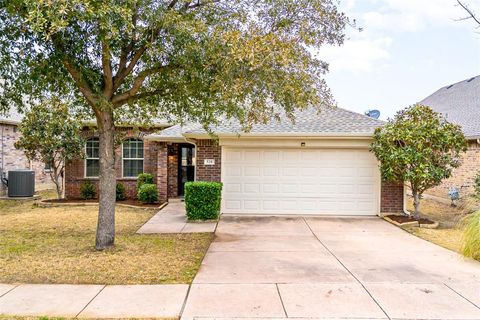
column 56, row 245
column 450, row 232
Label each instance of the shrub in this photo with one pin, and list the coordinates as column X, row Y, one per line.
column 121, row 193
column 144, row 178
column 477, row 185
column 471, row 236
column 148, row 193
column 88, row 190
column 202, row 200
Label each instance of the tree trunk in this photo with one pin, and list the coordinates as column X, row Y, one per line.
column 416, row 204
column 106, row 188
column 54, row 176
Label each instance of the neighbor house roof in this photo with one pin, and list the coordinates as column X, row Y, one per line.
column 310, row 122
column 460, row 104
column 10, row 117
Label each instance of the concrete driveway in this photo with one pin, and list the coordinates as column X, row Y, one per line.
column 330, row 268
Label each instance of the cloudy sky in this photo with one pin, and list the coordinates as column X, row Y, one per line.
column 407, row 50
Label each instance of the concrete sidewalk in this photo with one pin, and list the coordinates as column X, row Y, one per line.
column 173, row 219
column 93, row 301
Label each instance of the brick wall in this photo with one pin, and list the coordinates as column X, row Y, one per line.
column 463, row 178
column 162, row 171
column 173, row 170
column 208, row 149
column 75, row 170
column 391, row 198
column 16, row 159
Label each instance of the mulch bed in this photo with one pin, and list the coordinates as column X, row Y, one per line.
column 406, row 219
column 135, row 203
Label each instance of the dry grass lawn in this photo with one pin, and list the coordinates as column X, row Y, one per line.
column 450, row 233
column 55, row 245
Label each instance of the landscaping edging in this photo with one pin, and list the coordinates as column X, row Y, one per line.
column 49, row 204
column 433, row 225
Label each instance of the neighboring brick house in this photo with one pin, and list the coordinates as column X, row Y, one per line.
column 11, row 158
column 460, row 104
column 321, row 164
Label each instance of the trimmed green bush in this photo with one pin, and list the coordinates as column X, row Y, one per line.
column 121, row 193
column 144, row 178
column 148, row 193
column 202, row 200
column 471, row 236
column 88, row 190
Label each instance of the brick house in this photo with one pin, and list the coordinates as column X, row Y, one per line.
column 460, row 104
column 11, row 158
column 320, row 164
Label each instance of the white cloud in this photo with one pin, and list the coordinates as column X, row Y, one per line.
column 412, row 15
column 357, row 55
column 382, row 21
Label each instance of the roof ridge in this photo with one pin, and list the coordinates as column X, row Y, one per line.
column 453, row 84
column 361, row 114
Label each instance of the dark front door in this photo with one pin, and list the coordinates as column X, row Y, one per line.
column 186, row 166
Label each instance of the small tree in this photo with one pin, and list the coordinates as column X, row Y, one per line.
column 418, row 146
column 51, row 135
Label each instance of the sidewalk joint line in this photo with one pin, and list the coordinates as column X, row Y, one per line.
column 348, row 270
column 184, row 305
column 89, row 302
column 458, row 293
column 14, row 287
column 281, row 300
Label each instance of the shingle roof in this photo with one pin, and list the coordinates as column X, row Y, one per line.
column 329, row 122
column 460, row 104
column 11, row 117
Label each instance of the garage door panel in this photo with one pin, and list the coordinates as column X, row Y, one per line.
column 252, row 187
column 232, row 187
column 300, row 181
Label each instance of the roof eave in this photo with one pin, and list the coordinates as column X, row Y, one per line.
column 164, row 139
column 9, row 122
column 296, row 135
column 476, row 137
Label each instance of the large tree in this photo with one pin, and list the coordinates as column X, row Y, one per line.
column 419, row 147
column 180, row 60
column 52, row 135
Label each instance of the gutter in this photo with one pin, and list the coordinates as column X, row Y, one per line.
column 9, row 122
column 344, row 136
column 296, row 135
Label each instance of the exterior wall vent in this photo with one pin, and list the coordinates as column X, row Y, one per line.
column 21, row 183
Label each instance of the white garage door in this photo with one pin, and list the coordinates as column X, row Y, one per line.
column 300, row 181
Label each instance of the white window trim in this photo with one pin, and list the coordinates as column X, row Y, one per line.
column 87, row 158
column 47, row 170
column 143, row 159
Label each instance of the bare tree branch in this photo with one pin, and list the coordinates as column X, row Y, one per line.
column 471, row 14
column 107, row 70
column 74, row 72
column 144, row 95
column 127, row 49
column 201, row 4
column 119, row 99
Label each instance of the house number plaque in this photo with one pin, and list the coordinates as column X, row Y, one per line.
column 209, row 162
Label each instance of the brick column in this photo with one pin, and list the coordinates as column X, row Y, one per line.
column 162, row 172
column 391, row 197
column 208, row 149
